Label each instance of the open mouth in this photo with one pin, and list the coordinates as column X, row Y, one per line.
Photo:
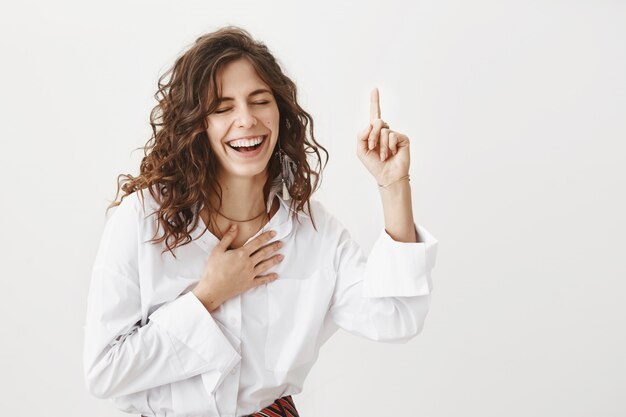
column 247, row 149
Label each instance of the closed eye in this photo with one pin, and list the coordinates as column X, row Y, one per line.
column 225, row 110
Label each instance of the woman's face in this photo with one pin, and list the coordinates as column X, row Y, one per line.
column 247, row 108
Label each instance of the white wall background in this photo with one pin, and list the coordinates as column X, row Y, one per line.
column 516, row 113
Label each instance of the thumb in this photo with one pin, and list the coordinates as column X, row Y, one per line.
column 362, row 137
column 228, row 237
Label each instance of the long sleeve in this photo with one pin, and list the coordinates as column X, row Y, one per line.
column 386, row 296
column 125, row 353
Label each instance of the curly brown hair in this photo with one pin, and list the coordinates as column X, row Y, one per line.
column 179, row 168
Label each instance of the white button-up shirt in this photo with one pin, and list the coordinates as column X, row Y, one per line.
column 151, row 347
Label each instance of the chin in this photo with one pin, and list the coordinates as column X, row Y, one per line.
column 249, row 171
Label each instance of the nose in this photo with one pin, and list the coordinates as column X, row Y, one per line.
column 245, row 118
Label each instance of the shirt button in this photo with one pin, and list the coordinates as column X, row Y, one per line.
column 234, row 370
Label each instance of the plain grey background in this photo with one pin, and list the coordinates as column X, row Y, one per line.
column 516, row 116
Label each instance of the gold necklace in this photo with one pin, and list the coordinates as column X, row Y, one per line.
column 222, row 233
column 241, row 221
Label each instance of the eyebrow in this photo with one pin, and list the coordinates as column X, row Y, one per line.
column 255, row 92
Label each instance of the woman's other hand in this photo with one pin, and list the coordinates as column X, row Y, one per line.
column 384, row 152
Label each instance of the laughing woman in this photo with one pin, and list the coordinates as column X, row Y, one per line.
column 218, row 277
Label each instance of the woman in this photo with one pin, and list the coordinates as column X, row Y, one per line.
column 188, row 316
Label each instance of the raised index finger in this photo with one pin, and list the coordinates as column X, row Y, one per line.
column 374, row 105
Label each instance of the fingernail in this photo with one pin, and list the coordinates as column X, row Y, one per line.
column 233, row 227
column 382, row 156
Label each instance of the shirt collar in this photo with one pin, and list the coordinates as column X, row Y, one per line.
column 281, row 222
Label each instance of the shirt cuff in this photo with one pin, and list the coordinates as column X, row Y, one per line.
column 188, row 321
column 397, row 269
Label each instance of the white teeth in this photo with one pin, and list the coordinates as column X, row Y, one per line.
column 246, row 142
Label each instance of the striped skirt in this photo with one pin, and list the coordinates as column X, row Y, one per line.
column 282, row 407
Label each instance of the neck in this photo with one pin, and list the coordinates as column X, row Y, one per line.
column 242, row 197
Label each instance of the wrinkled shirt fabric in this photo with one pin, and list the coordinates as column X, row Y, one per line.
column 152, row 348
